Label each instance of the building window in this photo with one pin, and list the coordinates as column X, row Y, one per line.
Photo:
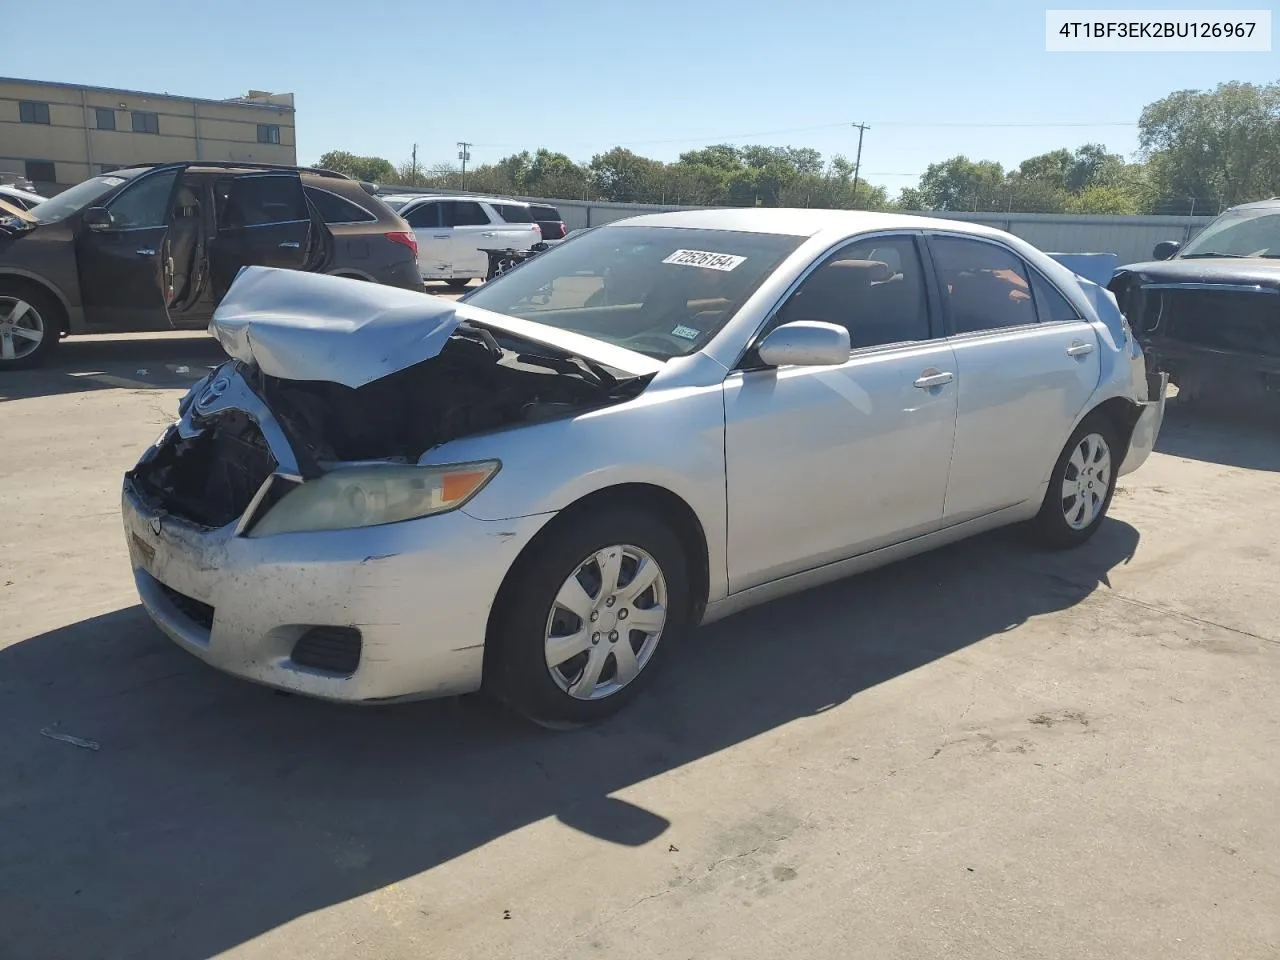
column 41, row 171
column 268, row 133
column 32, row 111
column 146, row 122
column 106, row 118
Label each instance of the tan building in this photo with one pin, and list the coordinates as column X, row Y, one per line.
column 57, row 134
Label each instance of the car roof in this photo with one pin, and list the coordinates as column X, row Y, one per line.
column 1271, row 204
column 410, row 197
column 800, row 222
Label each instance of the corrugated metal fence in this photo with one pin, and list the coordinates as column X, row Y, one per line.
column 1129, row 238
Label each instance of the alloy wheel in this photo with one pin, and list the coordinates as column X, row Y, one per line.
column 22, row 329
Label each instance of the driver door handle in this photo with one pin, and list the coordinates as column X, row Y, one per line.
column 440, row 236
column 489, row 233
column 145, row 252
column 1079, row 348
column 934, row 378
column 290, row 245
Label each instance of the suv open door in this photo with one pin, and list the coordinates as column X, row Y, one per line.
column 120, row 252
column 261, row 219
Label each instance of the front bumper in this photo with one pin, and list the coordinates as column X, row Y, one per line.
column 1146, row 430
column 419, row 592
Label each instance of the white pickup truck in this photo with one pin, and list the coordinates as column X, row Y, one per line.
column 454, row 232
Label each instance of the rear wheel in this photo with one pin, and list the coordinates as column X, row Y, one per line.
column 29, row 327
column 583, row 623
column 1081, row 486
column 457, row 283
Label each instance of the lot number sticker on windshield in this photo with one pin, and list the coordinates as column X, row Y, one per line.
column 705, row 259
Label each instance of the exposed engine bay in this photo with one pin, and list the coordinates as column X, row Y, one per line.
column 474, row 385
column 210, row 472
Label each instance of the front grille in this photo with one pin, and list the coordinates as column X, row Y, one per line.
column 330, row 649
column 1221, row 320
column 211, row 478
column 193, row 609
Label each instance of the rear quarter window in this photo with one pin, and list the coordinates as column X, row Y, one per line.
column 335, row 209
column 545, row 213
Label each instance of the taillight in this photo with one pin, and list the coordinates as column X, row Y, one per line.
column 564, row 230
column 404, row 238
column 538, row 228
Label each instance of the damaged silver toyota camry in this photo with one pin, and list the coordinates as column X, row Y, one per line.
column 541, row 489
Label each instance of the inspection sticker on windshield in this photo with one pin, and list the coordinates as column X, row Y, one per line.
column 686, row 333
column 113, row 181
column 705, row 259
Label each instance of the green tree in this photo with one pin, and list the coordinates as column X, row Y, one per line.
column 1213, row 147
column 963, row 184
column 625, row 177
column 374, row 169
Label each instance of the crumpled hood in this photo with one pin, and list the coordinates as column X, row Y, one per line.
column 1249, row 270
column 307, row 326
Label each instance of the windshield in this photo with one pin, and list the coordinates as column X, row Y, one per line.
column 76, row 199
column 660, row 291
column 1240, row 233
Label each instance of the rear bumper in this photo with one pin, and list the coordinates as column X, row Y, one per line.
column 1147, row 429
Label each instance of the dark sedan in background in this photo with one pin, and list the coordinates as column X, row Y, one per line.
column 1208, row 313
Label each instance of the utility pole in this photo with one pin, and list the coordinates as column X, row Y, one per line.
column 413, row 166
column 464, row 154
column 857, row 163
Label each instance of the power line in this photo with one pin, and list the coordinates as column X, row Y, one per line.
column 922, row 124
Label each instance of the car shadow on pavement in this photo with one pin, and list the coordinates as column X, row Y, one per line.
column 165, row 362
column 1240, row 437
column 215, row 810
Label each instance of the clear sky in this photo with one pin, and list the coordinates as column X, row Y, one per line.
column 658, row 76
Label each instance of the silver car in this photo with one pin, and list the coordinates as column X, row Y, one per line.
column 541, row 489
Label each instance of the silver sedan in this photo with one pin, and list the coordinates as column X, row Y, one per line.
column 541, row 489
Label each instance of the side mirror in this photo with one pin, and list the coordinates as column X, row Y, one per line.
column 805, row 343
column 98, row 218
column 1165, row 250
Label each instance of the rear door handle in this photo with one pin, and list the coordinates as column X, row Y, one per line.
column 440, row 236
column 489, row 233
column 145, row 252
column 1079, row 349
column 290, row 245
column 934, row 378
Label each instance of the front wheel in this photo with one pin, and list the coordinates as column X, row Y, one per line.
column 457, row 283
column 28, row 327
column 583, row 622
column 1081, row 486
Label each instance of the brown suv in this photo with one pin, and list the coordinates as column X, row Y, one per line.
column 155, row 247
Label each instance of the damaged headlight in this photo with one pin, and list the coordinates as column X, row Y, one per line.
column 369, row 496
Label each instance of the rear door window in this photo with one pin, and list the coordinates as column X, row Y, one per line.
column 545, row 213
column 514, row 212
column 260, row 199
column 424, row 217
column 984, row 285
column 336, row 209
column 463, row 213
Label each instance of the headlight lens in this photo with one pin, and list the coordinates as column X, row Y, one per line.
column 369, row 496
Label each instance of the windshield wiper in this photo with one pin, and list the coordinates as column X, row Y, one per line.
column 1195, row 256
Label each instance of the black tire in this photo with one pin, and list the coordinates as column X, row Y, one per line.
column 1051, row 525
column 49, row 316
column 516, row 670
column 457, row 283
